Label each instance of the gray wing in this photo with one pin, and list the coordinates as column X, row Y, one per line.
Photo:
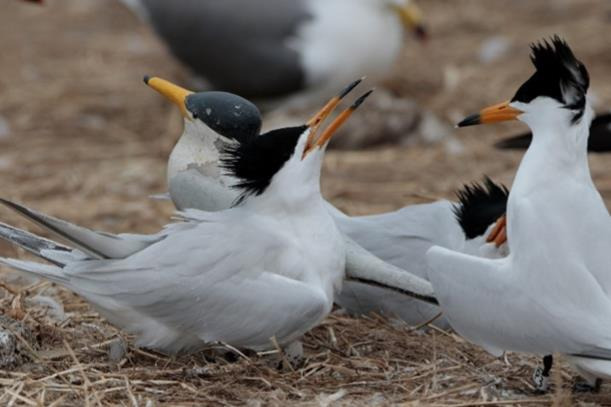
column 95, row 244
column 238, row 45
column 215, row 282
column 402, row 238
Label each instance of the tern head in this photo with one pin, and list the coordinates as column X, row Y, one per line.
column 409, row 14
column 228, row 115
column 479, row 206
column 286, row 158
column 554, row 94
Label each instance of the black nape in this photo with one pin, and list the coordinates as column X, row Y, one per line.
column 229, row 115
column 479, row 206
column 255, row 162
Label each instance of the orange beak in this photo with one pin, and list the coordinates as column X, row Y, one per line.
column 498, row 234
column 334, row 126
column 320, row 116
column 492, row 114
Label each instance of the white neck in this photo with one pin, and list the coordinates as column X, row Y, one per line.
column 556, row 150
column 295, row 188
column 553, row 183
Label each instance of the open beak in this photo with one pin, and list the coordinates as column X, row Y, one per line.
column 315, row 121
column 325, row 137
column 492, row 114
column 173, row 92
column 411, row 16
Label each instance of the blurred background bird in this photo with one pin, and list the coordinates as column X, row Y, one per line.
column 286, row 56
column 276, row 50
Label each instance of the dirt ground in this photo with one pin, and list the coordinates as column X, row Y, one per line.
column 82, row 138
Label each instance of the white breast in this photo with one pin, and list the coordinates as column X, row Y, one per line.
column 347, row 39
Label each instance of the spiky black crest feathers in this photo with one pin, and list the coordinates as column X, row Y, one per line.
column 558, row 75
column 480, row 205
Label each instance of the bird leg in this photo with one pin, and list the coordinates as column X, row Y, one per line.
column 541, row 375
column 498, row 235
column 294, row 353
column 589, row 385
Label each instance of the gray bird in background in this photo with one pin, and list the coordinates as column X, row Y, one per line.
column 293, row 52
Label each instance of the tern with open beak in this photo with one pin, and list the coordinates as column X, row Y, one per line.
column 387, row 247
column 262, row 272
column 197, row 180
column 551, row 293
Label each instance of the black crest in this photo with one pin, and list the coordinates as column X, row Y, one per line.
column 255, row 162
column 480, row 205
column 559, row 75
column 230, row 115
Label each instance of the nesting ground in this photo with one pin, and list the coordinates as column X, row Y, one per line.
column 82, row 138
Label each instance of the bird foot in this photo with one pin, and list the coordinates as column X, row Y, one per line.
column 294, row 353
column 583, row 386
column 540, row 380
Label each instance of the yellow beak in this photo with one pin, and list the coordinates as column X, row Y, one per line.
column 411, row 16
column 173, row 92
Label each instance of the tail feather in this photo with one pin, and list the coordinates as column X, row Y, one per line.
column 49, row 250
column 50, row 272
column 98, row 245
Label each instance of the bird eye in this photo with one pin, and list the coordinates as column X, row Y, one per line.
column 194, row 115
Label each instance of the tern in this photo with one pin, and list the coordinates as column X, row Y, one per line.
column 399, row 239
column 262, row 272
column 211, row 120
column 551, row 293
column 293, row 52
column 403, row 237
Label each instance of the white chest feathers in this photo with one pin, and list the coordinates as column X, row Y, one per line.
column 347, row 39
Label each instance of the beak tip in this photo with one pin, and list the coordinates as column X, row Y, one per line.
column 361, row 99
column 421, row 32
column 471, row 120
column 146, row 79
column 350, row 87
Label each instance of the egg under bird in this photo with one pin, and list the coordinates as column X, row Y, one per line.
column 294, row 51
column 551, row 293
column 266, row 268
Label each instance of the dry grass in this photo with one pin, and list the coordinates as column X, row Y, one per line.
column 88, row 142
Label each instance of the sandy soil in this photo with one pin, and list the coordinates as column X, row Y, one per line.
column 81, row 137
